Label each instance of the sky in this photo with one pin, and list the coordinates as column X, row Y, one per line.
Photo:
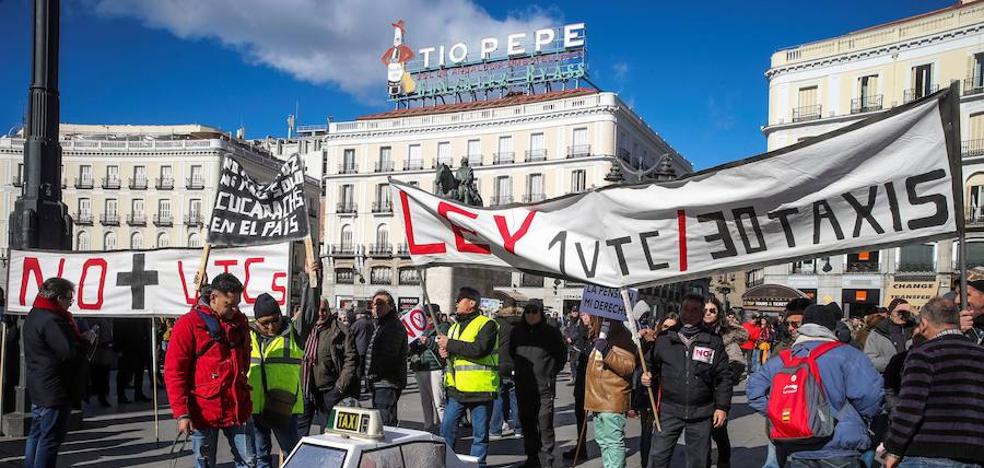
column 694, row 71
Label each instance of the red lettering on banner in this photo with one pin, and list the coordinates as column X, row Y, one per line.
column 682, row 233
column 459, row 239
column 249, row 261
column 279, row 287
column 509, row 240
column 31, row 265
column 413, row 246
column 225, row 264
column 190, row 300
column 92, row 262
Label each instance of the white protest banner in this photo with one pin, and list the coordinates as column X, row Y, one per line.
column 415, row 321
column 145, row 282
column 247, row 212
column 605, row 302
column 888, row 180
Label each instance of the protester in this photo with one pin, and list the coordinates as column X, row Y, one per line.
column 132, row 342
column 850, row 382
column 205, row 373
column 54, row 353
column 329, row 372
column 386, row 358
column 890, row 336
column 691, row 367
column 505, row 408
column 939, row 418
column 640, row 393
column 426, row 367
column 275, row 379
column 763, row 345
column 576, row 335
column 362, row 330
column 472, row 377
column 102, row 359
column 749, row 346
column 732, row 335
column 972, row 316
column 583, row 346
column 538, row 353
column 870, row 322
column 608, row 386
column 793, row 320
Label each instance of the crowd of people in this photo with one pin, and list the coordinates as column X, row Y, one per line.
column 899, row 387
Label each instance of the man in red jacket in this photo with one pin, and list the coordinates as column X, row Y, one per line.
column 205, row 373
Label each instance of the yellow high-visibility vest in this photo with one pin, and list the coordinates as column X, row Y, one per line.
column 478, row 376
column 282, row 360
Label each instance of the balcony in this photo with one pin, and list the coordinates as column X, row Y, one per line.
column 164, row 183
column 972, row 148
column 138, row 183
column 109, row 219
column 348, row 168
column 975, row 217
column 380, row 250
column 83, row 218
column 111, row 183
column 163, row 220
column 17, row 181
column 137, row 219
column 384, row 166
column 578, row 151
column 346, row 208
column 534, row 197
column 437, row 162
column 194, row 220
column 382, row 207
column 343, row 250
column 503, row 158
column 413, row 165
column 474, row 159
column 866, row 104
column 194, row 183
column 501, row 200
column 806, row 113
column 344, row 276
column 912, row 94
column 534, row 155
column 403, row 250
column 973, row 85
column 83, row 183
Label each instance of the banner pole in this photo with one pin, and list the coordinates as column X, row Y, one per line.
column 963, row 269
column 422, row 272
column 3, row 366
column 202, row 264
column 309, row 258
column 153, row 377
column 642, row 358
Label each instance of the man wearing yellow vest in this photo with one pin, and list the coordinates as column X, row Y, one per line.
column 471, row 350
column 275, row 378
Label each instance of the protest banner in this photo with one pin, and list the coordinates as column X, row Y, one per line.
column 415, row 321
column 605, row 302
column 888, row 180
column 145, row 283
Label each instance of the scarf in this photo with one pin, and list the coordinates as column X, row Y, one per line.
column 814, row 332
column 688, row 333
column 311, row 352
column 56, row 308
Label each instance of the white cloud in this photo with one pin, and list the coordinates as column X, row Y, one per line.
column 324, row 41
column 620, row 71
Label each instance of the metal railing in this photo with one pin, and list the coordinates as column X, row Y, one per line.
column 17, row 180
column 163, row 220
column 380, row 250
column 382, row 207
column 164, row 183
column 578, row 151
column 195, row 183
column 348, row 168
column 536, row 155
column 344, row 276
column 403, row 250
column 413, row 165
column 866, row 104
column 346, row 207
column 437, row 162
column 137, row 183
column 973, row 85
column 381, row 278
column 109, row 219
column 974, row 216
column 972, row 148
column 83, row 183
column 534, row 197
column 912, row 94
column 111, row 183
column 500, row 200
column 83, row 217
column 384, row 166
column 474, row 159
column 343, row 249
column 138, row 219
column 805, row 113
column 503, row 158
column 193, row 220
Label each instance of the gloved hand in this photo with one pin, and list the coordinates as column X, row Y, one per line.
column 601, row 344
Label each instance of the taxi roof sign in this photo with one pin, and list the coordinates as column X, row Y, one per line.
column 355, row 422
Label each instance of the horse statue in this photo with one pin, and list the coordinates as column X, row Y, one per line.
column 460, row 188
column 445, row 185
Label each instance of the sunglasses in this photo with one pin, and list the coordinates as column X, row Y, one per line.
column 268, row 323
column 794, row 324
column 711, row 310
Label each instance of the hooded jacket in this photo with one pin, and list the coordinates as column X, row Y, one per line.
column 694, row 380
column 885, row 340
column 538, row 353
column 852, row 386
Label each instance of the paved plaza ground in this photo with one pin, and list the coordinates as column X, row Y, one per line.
column 124, row 437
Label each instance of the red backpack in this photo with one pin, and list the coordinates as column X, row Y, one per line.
column 798, row 410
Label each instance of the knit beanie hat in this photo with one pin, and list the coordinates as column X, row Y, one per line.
column 826, row 316
column 265, row 305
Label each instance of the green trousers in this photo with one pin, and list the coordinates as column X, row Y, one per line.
column 610, row 436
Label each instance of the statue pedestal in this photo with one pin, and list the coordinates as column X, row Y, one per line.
column 443, row 284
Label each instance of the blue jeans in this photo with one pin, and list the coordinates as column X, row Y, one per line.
column 505, row 405
column 204, row 441
column 287, row 438
column 926, row 462
column 480, row 412
column 48, row 428
column 770, row 460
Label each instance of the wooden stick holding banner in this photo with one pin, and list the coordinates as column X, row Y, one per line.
column 3, row 364
column 202, row 264
column 153, row 377
column 422, row 272
column 309, row 260
column 642, row 358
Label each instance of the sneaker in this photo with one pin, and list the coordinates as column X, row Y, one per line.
column 495, row 437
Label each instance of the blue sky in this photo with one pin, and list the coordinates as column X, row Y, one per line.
column 692, row 70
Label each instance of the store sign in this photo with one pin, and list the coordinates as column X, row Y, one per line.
column 916, row 293
column 517, row 59
column 406, row 303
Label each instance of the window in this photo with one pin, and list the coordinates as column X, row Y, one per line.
column 112, row 173
column 805, row 267
column 137, row 207
column 194, row 240
column 82, row 242
column 163, row 240
column 109, row 241
column 382, row 235
column 409, row 276
column 444, row 153
column 503, row 191
column 976, row 74
column 863, row 262
column 580, row 136
column 136, row 240
column 385, row 162
column 538, row 148
column 348, row 159
column 164, row 208
column 112, row 206
column 195, row 208
column 505, row 153
column 196, row 174
column 344, row 276
column 381, row 275
column 922, row 80
column 345, row 198
column 579, row 146
column 383, row 201
column 807, row 106
column 20, row 174
column 807, row 96
column 85, row 173
column 976, row 215
column 578, row 180
column 868, row 98
column 85, row 206
column 414, row 158
column 139, row 177
column 534, row 188
column 346, row 237
column 475, row 152
column 918, row 257
column 531, row 281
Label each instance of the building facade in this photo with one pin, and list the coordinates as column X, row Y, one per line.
column 140, row 187
column 523, row 148
column 821, row 86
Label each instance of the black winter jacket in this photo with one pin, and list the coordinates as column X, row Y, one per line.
column 54, row 358
column 694, row 381
column 506, row 326
column 362, row 331
column 538, row 353
column 388, row 364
